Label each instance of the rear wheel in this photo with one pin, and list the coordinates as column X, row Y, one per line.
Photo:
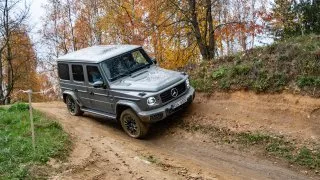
column 73, row 107
column 132, row 124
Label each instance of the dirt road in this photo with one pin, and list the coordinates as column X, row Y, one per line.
column 103, row 151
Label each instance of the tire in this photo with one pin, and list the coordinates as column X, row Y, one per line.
column 132, row 124
column 73, row 107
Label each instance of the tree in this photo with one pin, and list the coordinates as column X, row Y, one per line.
column 294, row 18
column 175, row 32
column 310, row 16
column 87, row 30
column 210, row 20
column 12, row 18
column 284, row 19
column 24, row 66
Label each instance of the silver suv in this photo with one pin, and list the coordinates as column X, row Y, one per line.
column 122, row 82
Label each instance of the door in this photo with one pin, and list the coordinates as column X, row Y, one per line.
column 78, row 85
column 100, row 98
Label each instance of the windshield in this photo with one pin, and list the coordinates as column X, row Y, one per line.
column 126, row 64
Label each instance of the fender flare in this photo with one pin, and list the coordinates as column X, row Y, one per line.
column 130, row 104
column 72, row 94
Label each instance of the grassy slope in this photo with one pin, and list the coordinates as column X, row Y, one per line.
column 292, row 65
column 16, row 153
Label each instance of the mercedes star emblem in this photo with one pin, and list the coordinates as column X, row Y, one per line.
column 174, row 92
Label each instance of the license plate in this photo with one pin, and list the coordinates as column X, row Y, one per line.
column 179, row 103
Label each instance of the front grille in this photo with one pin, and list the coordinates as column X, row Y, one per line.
column 166, row 96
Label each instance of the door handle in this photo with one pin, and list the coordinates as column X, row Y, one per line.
column 91, row 93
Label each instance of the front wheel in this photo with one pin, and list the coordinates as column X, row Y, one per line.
column 73, row 107
column 133, row 125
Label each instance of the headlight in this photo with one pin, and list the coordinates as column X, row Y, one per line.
column 151, row 101
column 188, row 83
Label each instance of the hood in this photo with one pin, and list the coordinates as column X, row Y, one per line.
column 150, row 80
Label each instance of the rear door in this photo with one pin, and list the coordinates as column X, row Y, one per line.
column 78, row 85
column 100, row 98
column 64, row 76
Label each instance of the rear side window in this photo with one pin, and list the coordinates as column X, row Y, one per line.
column 63, row 71
column 77, row 73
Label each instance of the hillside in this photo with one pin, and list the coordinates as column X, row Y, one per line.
column 292, row 65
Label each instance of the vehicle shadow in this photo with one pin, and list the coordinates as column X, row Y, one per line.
column 111, row 123
column 167, row 126
column 157, row 130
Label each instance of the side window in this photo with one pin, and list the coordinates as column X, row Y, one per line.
column 77, row 73
column 63, row 71
column 94, row 74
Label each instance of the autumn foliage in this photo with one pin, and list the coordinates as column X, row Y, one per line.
column 24, row 63
column 175, row 32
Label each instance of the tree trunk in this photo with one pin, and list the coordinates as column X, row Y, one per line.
column 8, row 51
column 10, row 75
column 1, row 80
column 243, row 41
column 8, row 57
column 212, row 45
column 73, row 39
column 196, row 29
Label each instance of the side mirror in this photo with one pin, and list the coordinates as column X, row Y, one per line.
column 98, row 84
column 154, row 61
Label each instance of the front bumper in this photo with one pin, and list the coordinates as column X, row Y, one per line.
column 166, row 110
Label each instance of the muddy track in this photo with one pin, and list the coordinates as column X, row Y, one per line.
column 103, row 151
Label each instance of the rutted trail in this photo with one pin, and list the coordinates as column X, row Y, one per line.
column 103, row 151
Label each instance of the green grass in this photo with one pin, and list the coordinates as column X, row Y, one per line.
column 308, row 81
column 274, row 68
column 280, row 147
column 16, row 152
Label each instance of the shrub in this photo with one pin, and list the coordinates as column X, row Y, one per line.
column 305, row 157
column 201, row 84
column 220, row 73
column 224, row 84
column 242, row 69
column 307, row 81
column 283, row 58
column 261, row 84
column 278, row 81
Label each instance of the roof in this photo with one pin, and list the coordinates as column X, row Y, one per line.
column 96, row 54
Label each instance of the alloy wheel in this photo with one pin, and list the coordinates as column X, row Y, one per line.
column 130, row 125
column 71, row 105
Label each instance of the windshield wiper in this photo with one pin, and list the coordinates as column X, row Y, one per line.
column 147, row 65
column 141, row 67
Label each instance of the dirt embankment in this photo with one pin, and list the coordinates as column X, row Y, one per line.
column 296, row 117
column 103, row 151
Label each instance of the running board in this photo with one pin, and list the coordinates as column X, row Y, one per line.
column 111, row 116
